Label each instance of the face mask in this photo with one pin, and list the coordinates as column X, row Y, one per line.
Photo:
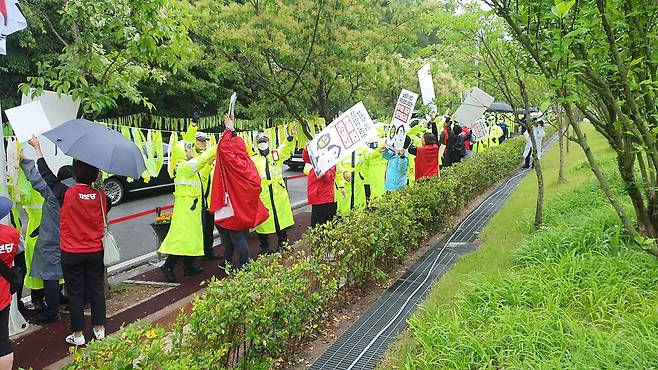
column 263, row 146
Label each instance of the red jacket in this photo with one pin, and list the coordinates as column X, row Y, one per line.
column 320, row 190
column 236, row 174
column 8, row 248
column 427, row 161
column 81, row 220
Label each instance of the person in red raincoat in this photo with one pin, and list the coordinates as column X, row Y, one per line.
column 235, row 197
column 320, row 193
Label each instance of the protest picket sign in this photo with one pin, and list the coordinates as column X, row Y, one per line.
column 59, row 108
column 427, row 86
column 231, row 105
column 11, row 20
column 480, row 129
column 340, row 138
column 473, row 107
column 27, row 120
column 401, row 118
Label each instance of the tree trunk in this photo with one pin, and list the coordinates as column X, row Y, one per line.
column 535, row 158
column 562, row 132
column 603, row 182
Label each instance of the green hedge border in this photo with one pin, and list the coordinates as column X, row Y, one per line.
column 262, row 314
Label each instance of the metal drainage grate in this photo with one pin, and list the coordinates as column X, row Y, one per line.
column 364, row 343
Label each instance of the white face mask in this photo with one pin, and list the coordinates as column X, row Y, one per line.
column 263, row 146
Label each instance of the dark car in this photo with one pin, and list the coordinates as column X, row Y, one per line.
column 118, row 187
column 295, row 161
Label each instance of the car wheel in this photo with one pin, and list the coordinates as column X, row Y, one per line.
column 114, row 190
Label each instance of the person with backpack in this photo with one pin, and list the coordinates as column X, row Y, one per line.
column 9, row 240
column 456, row 149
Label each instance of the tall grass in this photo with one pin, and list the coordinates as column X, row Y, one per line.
column 578, row 296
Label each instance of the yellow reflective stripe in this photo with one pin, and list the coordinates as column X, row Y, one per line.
column 187, row 182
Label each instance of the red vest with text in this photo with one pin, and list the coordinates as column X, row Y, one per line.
column 8, row 248
column 81, row 220
column 427, row 161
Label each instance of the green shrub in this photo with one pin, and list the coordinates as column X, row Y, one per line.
column 263, row 313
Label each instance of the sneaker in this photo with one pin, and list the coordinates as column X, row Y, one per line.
column 169, row 274
column 43, row 319
column 100, row 334
column 76, row 341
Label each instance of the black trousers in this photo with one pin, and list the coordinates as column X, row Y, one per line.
column 235, row 240
column 528, row 159
column 188, row 261
column 51, row 294
column 208, row 223
column 5, row 343
column 322, row 213
column 84, row 276
column 19, row 261
column 282, row 236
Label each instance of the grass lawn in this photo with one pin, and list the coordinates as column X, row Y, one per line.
column 460, row 305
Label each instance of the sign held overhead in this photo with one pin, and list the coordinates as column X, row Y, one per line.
column 473, row 107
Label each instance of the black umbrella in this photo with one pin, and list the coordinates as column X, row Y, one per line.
column 531, row 110
column 500, row 107
column 98, row 146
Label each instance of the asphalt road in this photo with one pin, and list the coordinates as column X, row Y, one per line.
column 136, row 238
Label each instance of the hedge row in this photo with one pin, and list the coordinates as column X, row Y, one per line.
column 261, row 315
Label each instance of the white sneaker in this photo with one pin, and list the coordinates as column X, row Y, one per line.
column 100, row 334
column 76, row 341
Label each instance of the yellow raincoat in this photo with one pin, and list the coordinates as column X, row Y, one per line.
column 274, row 194
column 31, row 202
column 355, row 194
column 185, row 236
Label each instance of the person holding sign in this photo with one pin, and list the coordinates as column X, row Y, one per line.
column 427, row 155
column 185, row 237
column 274, row 194
column 350, row 178
column 398, row 163
column 320, row 192
column 235, row 196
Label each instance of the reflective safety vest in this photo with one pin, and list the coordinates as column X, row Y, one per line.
column 274, row 193
column 185, row 236
column 355, row 195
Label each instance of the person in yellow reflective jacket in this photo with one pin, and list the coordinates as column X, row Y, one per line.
column 495, row 133
column 185, row 237
column 349, row 175
column 374, row 168
column 274, row 194
column 207, row 218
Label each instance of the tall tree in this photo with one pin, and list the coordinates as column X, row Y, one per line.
column 600, row 57
column 109, row 47
column 302, row 58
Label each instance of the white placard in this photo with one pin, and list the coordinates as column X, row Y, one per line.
column 11, row 20
column 473, row 107
column 401, row 118
column 231, row 105
column 340, row 138
column 427, row 86
column 27, row 120
column 480, row 130
column 59, row 109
